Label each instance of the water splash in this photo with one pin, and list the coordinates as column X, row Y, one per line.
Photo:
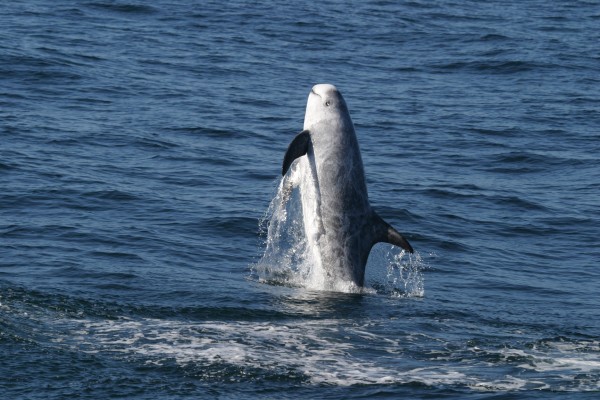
column 291, row 257
column 402, row 275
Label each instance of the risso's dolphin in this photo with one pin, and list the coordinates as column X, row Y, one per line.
column 338, row 219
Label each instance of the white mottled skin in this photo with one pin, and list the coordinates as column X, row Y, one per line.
column 337, row 214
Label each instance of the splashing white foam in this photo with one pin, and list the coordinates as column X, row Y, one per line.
column 314, row 352
column 292, row 257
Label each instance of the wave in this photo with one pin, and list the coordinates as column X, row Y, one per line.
column 290, row 345
column 527, row 162
column 312, row 352
column 494, row 67
column 123, row 8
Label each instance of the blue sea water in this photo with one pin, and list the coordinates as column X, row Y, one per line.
column 141, row 145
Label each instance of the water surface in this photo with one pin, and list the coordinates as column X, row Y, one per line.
column 140, row 146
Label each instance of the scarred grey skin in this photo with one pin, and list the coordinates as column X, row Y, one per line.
column 347, row 226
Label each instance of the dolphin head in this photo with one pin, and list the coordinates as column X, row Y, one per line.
column 325, row 103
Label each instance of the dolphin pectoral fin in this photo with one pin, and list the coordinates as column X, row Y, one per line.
column 397, row 239
column 384, row 232
column 297, row 148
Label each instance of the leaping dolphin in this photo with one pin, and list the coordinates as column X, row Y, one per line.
column 345, row 227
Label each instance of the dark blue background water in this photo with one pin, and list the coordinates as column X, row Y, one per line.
column 142, row 142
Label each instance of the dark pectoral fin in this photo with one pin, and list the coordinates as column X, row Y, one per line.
column 384, row 232
column 398, row 240
column 297, row 148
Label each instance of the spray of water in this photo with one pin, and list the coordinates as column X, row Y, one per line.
column 291, row 255
column 403, row 272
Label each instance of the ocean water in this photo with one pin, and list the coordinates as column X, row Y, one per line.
column 141, row 146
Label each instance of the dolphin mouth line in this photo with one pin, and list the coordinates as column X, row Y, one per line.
column 313, row 91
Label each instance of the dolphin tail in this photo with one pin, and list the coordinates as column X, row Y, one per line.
column 297, row 148
column 384, row 232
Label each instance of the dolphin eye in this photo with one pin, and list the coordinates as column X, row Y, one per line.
column 327, row 103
